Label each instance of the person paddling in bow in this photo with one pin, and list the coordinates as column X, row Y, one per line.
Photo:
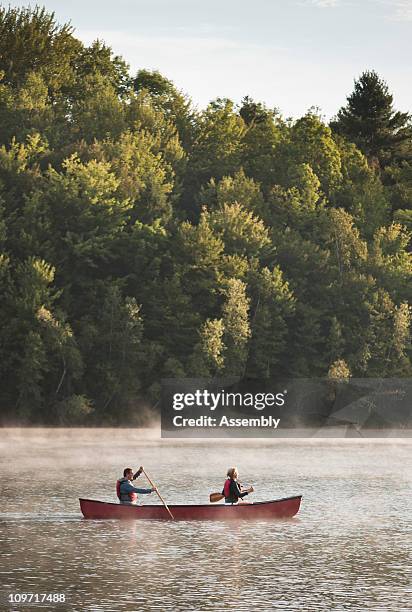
column 232, row 489
column 126, row 492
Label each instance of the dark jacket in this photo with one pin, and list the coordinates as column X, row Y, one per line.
column 235, row 493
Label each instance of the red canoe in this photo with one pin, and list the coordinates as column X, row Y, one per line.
column 277, row 508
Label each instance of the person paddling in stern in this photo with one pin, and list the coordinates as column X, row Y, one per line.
column 125, row 490
column 232, row 489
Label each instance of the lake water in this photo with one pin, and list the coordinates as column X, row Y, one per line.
column 348, row 549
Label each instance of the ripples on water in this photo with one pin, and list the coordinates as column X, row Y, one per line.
column 349, row 548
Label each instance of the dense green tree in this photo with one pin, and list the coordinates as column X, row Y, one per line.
column 24, row 110
column 371, row 122
column 404, row 217
column 264, row 132
column 217, row 147
column 272, row 304
column 99, row 59
column 79, row 207
column 198, row 263
column 242, row 232
column 254, row 113
column 98, row 112
column 208, row 356
column 42, row 354
column 361, row 192
column 165, row 97
column 31, row 40
column 144, row 117
column 236, row 327
column 310, row 141
column 386, row 338
column 236, row 189
column 306, row 267
column 348, row 251
column 67, row 366
column 144, row 177
column 391, row 261
column 113, row 378
column 400, row 186
column 298, row 206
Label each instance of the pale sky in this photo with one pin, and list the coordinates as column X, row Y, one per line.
column 292, row 54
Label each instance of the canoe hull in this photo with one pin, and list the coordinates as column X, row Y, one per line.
column 275, row 509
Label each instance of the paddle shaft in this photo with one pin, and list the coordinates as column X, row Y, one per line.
column 160, row 497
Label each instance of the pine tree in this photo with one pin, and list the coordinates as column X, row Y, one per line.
column 370, row 121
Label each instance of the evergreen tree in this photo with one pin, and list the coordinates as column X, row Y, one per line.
column 371, row 122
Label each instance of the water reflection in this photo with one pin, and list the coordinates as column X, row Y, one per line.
column 349, row 548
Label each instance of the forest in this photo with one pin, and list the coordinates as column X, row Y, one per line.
column 142, row 238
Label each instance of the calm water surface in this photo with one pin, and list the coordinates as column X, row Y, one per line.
column 349, row 548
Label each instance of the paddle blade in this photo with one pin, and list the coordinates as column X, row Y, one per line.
column 215, row 497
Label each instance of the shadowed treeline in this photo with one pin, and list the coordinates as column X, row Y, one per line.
column 142, row 238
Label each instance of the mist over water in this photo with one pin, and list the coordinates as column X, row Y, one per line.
column 349, row 547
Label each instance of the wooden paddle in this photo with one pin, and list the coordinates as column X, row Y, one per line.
column 215, row 497
column 160, row 497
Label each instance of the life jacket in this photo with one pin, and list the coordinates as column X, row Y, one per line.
column 125, row 497
column 226, row 487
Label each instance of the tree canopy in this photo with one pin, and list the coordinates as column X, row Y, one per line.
column 142, row 238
